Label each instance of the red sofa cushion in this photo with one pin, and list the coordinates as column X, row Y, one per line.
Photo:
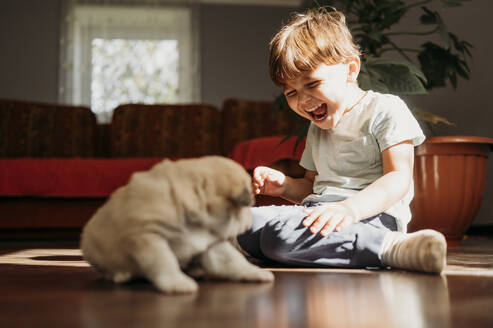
column 74, row 177
column 266, row 151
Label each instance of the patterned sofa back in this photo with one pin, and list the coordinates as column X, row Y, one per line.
column 37, row 130
column 175, row 131
column 29, row 129
column 247, row 119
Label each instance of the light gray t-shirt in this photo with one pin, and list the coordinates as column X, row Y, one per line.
column 347, row 158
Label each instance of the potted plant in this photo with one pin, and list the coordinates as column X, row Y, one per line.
column 450, row 172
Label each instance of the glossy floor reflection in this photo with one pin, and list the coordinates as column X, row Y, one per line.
column 47, row 286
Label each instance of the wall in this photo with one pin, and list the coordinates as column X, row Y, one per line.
column 234, row 43
column 233, row 50
column 29, row 32
column 234, row 62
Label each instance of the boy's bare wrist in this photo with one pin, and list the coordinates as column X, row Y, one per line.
column 353, row 209
column 286, row 186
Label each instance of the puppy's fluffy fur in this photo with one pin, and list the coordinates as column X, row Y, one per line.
column 176, row 216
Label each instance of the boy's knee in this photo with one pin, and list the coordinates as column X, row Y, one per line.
column 250, row 243
column 275, row 243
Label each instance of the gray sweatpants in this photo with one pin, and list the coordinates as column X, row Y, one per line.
column 279, row 235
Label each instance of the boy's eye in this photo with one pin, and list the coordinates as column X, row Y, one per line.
column 312, row 84
column 290, row 93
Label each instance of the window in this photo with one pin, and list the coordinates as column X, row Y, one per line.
column 117, row 77
column 129, row 55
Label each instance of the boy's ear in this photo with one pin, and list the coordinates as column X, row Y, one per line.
column 354, row 66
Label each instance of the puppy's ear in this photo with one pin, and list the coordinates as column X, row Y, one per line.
column 245, row 198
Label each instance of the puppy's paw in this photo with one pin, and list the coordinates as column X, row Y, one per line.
column 258, row 275
column 119, row 277
column 223, row 261
column 179, row 284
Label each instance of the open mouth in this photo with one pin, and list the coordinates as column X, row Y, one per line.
column 319, row 113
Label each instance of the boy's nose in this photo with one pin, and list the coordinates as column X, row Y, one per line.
column 304, row 98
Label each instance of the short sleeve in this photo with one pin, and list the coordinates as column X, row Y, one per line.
column 307, row 156
column 394, row 123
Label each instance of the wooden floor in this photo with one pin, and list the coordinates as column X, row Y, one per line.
column 48, row 285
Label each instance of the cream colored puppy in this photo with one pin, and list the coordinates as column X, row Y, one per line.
column 176, row 216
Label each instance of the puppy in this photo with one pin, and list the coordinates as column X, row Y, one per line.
column 172, row 219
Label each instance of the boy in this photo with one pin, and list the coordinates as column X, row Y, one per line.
column 358, row 158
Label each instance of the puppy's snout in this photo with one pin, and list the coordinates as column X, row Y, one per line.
column 245, row 198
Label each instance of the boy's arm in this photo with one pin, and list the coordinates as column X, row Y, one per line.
column 272, row 182
column 398, row 163
column 297, row 189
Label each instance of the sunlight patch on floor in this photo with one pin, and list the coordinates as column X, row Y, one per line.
column 45, row 257
column 329, row 270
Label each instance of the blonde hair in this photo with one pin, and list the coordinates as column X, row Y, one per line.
column 308, row 40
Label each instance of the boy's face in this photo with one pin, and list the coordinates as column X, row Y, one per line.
column 322, row 95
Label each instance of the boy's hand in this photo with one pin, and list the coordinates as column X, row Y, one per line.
column 329, row 217
column 268, row 181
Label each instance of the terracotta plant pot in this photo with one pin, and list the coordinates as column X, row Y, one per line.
column 449, row 181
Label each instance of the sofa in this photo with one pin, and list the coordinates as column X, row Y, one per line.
column 57, row 165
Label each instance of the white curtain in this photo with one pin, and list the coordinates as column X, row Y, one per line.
column 85, row 20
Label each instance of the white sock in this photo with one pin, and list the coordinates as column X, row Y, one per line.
column 423, row 250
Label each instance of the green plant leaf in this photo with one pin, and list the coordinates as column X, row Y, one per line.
column 460, row 45
column 430, row 117
column 370, row 79
column 300, row 134
column 433, row 17
column 428, row 18
column 393, row 76
column 462, row 69
column 317, row 3
column 439, row 64
column 280, row 103
column 453, row 3
column 364, row 79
